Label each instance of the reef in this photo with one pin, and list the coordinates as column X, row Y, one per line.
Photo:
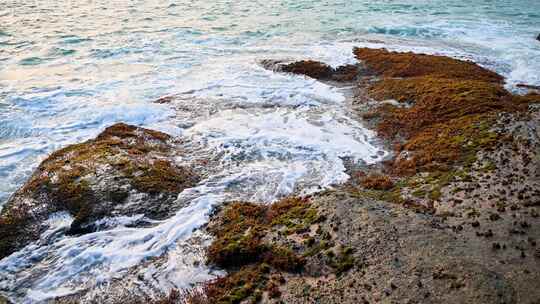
column 262, row 245
column 445, row 107
column 125, row 170
column 452, row 217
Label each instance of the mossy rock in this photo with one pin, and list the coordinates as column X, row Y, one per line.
column 241, row 247
column 95, row 179
column 451, row 107
column 317, row 70
column 404, row 65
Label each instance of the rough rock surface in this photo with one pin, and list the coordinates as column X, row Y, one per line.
column 453, row 218
column 314, row 69
column 406, row 257
column 126, row 170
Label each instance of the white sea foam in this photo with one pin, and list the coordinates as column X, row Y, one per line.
column 274, row 152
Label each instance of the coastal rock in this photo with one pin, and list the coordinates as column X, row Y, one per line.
column 125, row 170
column 449, row 102
column 428, row 104
column 384, row 63
column 351, row 246
column 452, row 219
column 538, row 37
column 314, row 69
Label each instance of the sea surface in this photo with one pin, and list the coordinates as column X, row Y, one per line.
column 69, row 69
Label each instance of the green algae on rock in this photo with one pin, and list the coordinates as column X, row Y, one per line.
column 381, row 62
column 96, row 179
column 463, row 188
column 449, row 104
column 246, row 245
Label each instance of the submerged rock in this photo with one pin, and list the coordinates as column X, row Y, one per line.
column 126, row 170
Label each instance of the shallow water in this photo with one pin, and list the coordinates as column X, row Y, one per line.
column 69, row 70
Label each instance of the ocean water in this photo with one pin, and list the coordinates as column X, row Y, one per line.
column 69, row 69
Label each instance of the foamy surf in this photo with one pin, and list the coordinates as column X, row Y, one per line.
column 262, row 154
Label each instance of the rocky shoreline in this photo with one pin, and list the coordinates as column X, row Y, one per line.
column 453, row 217
column 123, row 171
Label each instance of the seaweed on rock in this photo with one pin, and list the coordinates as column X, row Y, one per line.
column 94, row 179
column 242, row 247
column 451, row 106
column 381, row 62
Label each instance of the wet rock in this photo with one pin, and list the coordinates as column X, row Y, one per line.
column 395, row 64
column 446, row 100
column 164, row 99
column 310, row 68
column 314, row 69
column 448, row 132
column 126, row 170
column 538, row 37
column 369, row 236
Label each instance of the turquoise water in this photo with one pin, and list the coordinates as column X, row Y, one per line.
column 68, row 70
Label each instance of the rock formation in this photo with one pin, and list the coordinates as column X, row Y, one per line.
column 453, row 218
column 125, row 170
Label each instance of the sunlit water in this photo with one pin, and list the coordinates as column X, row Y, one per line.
column 68, row 70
